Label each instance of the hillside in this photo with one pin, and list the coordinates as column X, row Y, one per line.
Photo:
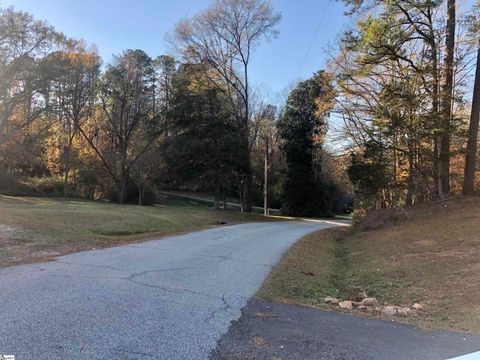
column 427, row 254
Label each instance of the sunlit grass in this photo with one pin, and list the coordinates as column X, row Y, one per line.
column 46, row 227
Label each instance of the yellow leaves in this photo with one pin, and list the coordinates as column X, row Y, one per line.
column 82, row 59
column 325, row 101
column 200, row 81
column 53, row 149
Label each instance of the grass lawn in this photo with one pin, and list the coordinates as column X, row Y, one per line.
column 34, row 229
column 428, row 254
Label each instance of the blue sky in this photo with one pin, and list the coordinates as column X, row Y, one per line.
column 115, row 25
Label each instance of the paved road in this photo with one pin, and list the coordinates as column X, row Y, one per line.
column 267, row 331
column 164, row 299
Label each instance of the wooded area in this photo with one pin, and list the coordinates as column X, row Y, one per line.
column 401, row 84
column 404, row 77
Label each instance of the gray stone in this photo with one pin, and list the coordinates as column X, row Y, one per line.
column 371, row 301
column 388, row 311
column 331, row 300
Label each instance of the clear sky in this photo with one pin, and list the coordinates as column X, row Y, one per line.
column 115, row 25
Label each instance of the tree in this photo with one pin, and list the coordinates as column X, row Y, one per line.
column 165, row 67
column 204, row 137
column 301, row 128
column 368, row 173
column 389, row 74
column 471, row 156
column 447, row 100
column 473, row 24
column 128, row 127
column 224, row 37
column 23, row 43
column 72, row 93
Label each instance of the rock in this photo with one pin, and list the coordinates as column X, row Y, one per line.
column 347, row 305
column 363, row 308
column 404, row 312
column 357, row 304
column 370, row 301
column 388, row 311
column 418, row 307
column 331, row 300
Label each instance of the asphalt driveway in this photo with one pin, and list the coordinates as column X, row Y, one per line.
column 163, row 299
column 267, row 331
column 176, row 298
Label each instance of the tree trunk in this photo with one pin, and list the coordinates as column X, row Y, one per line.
column 411, row 174
column 471, row 156
column 224, row 200
column 141, row 194
column 122, row 190
column 216, row 201
column 248, row 189
column 447, row 99
column 247, row 178
column 435, row 112
column 67, row 168
column 65, row 180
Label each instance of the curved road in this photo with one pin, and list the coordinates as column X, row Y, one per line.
column 163, row 299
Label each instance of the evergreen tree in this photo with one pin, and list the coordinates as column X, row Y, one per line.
column 301, row 128
column 205, row 138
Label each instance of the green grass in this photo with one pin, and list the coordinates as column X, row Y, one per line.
column 45, row 227
column 313, row 268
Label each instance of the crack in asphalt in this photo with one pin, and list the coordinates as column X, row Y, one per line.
column 225, row 257
column 226, row 306
column 131, row 278
column 170, row 299
column 161, row 270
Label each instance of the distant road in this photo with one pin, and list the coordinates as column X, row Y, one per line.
column 163, row 299
column 209, row 200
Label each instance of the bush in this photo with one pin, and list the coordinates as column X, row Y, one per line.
column 358, row 215
column 9, row 184
column 46, row 186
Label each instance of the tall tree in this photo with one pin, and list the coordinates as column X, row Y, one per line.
column 224, row 36
column 389, row 73
column 471, row 156
column 24, row 41
column 447, row 100
column 301, row 128
column 165, row 68
column 204, row 135
column 129, row 125
column 72, row 96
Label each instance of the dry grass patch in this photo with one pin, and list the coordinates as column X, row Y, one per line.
column 33, row 229
column 428, row 254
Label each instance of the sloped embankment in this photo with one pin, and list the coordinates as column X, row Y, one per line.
column 427, row 255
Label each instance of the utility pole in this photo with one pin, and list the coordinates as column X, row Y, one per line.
column 265, row 181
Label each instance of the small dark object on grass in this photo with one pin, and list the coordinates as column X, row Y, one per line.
column 309, row 273
column 221, row 222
